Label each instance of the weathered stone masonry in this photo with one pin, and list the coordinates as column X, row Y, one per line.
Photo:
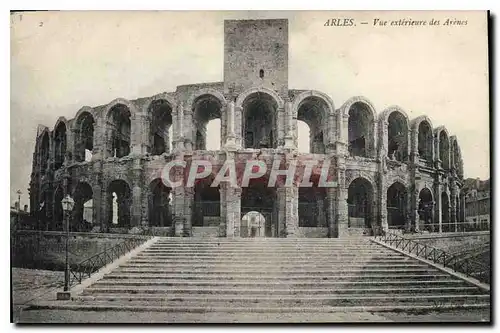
column 392, row 172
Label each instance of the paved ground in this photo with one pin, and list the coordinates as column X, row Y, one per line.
column 30, row 286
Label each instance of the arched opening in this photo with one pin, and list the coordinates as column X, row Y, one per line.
column 160, row 112
column 206, row 211
column 303, row 137
column 119, row 203
column 397, row 137
column 259, row 121
column 83, row 209
column 44, row 153
column 445, row 213
column 60, row 145
column 425, row 141
column 160, row 206
column 260, row 198
column 84, row 137
column 360, row 130
column 43, row 214
column 313, row 111
column 359, row 203
column 312, row 207
column 444, row 150
column 396, row 206
column 253, row 225
column 425, row 208
column 207, row 108
column 58, row 222
column 118, row 128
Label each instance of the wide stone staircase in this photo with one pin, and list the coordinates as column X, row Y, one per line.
column 277, row 275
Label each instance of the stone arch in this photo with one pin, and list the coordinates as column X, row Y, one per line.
column 44, row 151
column 160, row 118
column 83, row 212
column 60, row 142
column 313, row 108
column 361, row 126
column 443, row 142
column 351, row 175
column 425, row 205
column 207, row 105
column 398, row 126
column 397, row 199
column 259, row 120
column 253, row 224
column 424, row 140
column 119, row 191
column 119, row 116
column 159, row 204
column 205, row 91
column 117, row 101
column 84, row 129
column 244, row 95
column 360, row 203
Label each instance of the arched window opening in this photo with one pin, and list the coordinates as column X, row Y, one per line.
column 397, row 137
column 58, row 223
column 444, row 150
column 254, row 224
column 360, row 131
column 161, row 121
column 261, row 73
column 304, row 139
column 118, row 130
column 359, row 203
column 396, row 206
column 259, row 121
column 44, row 153
column 60, row 145
column 425, row 141
column 206, row 109
column 84, row 137
column 262, row 199
column 445, row 213
column 83, row 209
column 119, row 203
column 425, row 209
column 313, row 111
column 160, row 205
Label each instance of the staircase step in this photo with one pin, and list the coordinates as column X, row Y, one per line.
column 224, row 290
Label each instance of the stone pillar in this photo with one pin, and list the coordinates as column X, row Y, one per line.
column 280, row 211
column 331, row 194
column 453, row 210
column 288, row 137
column 145, row 222
column 178, row 142
column 321, row 211
column 238, row 130
column 188, row 211
column 280, row 127
column 100, row 148
column 438, row 188
column 290, row 208
column 139, row 134
column 384, row 225
column 230, row 142
column 342, row 209
column 188, row 131
column 137, row 181
column 106, row 209
column 233, row 211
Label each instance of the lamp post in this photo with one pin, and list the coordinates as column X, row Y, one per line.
column 67, row 205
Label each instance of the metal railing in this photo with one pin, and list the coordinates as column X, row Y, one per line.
column 85, row 268
column 469, row 266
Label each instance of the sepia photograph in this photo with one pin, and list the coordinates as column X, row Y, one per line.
column 250, row 167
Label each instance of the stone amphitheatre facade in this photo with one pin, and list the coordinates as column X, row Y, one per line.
column 392, row 172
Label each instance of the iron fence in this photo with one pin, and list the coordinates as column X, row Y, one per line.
column 85, row 268
column 469, row 266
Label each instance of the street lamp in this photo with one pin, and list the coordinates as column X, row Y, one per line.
column 67, row 206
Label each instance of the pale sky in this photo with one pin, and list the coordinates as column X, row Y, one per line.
column 61, row 61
